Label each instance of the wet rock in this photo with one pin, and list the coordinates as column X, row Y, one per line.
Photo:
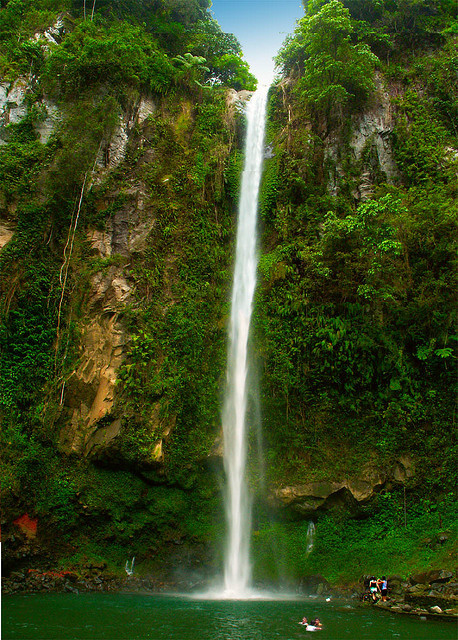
column 395, row 585
column 444, row 576
column 323, row 495
column 428, row 577
column 435, row 609
column 451, row 588
column 70, row 589
column 417, row 588
column 313, row 584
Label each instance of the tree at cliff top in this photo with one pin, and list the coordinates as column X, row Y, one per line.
column 334, row 72
column 172, row 27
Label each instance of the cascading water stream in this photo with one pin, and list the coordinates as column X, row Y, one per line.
column 310, row 538
column 237, row 570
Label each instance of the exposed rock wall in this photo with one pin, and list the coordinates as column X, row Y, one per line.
column 89, row 394
column 348, row 493
column 370, row 146
column 13, row 109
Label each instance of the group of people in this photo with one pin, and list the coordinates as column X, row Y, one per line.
column 314, row 625
column 378, row 585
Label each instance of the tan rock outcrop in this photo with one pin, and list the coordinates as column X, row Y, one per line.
column 307, row 498
column 91, row 389
column 6, row 232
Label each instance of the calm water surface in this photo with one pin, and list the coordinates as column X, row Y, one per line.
column 144, row 617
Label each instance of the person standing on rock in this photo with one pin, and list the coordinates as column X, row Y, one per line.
column 383, row 586
column 373, row 588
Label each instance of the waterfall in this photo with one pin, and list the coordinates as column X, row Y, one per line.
column 130, row 569
column 310, row 539
column 237, row 570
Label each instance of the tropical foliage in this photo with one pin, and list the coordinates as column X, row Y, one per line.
column 354, row 316
column 356, row 311
column 94, row 68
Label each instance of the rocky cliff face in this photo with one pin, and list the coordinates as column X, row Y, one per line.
column 370, row 144
column 90, row 414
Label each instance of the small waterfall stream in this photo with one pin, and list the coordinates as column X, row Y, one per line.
column 237, row 570
column 310, row 539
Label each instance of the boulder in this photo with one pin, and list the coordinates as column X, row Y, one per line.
column 435, row 609
column 417, row 588
column 314, row 584
column 395, row 584
column 451, row 588
column 444, row 576
column 428, row 577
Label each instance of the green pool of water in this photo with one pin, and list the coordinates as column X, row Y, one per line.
column 144, row 617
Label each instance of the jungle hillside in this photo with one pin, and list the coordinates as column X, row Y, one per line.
column 121, row 149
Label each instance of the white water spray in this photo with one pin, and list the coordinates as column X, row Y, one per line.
column 310, row 539
column 130, row 568
column 237, row 570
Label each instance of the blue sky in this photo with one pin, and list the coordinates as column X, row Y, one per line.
column 260, row 26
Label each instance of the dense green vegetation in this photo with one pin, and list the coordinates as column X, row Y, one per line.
column 96, row 70
column 184, row 297
column 384, row 539
column 354, row 316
